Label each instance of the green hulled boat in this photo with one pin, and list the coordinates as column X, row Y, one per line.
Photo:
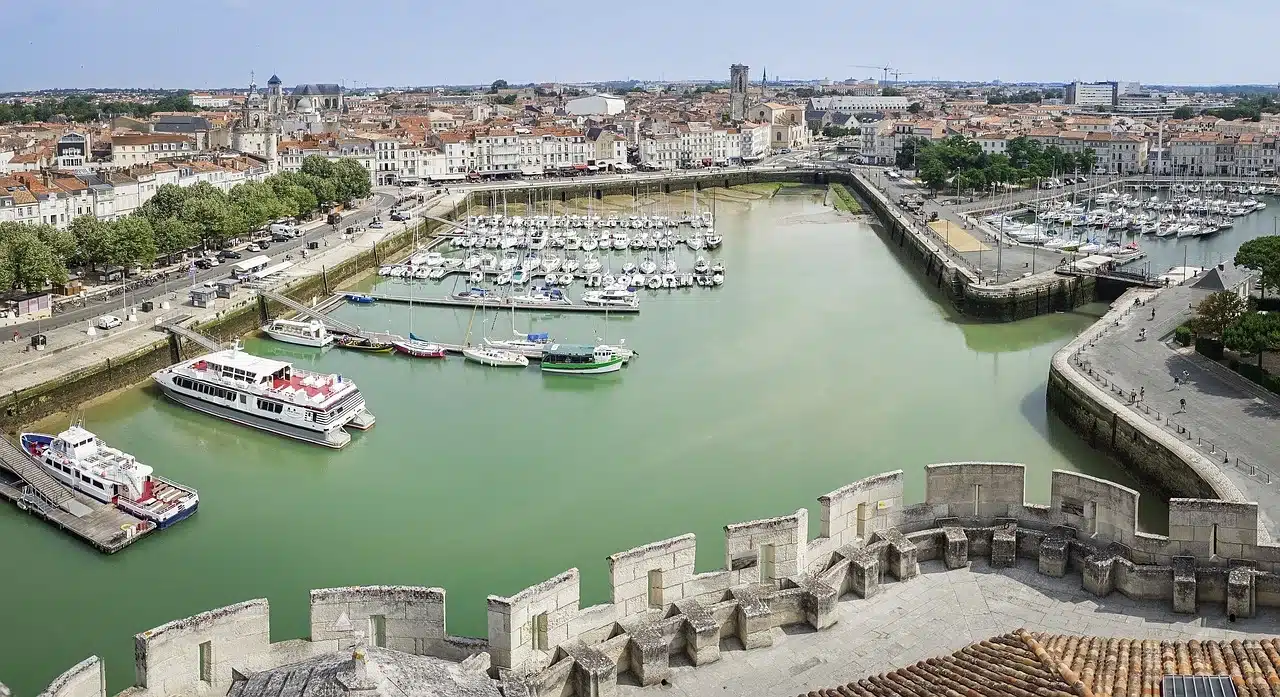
column 580, row 359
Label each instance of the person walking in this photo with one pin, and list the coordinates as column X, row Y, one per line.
column 1142, row 393
column 1182, row 405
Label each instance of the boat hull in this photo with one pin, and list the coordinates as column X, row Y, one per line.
column 367, row 348
column 417, row 351
column 299, row 340
column 610, row 366
column 334, row 438
column 487, row 360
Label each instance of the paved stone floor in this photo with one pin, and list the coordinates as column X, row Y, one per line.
column 1224, row 410
column 936, row 614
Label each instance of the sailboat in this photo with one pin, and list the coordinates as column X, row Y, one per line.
column 487, row 355
column 529, row 345
column 413, row 346
column 620, row 349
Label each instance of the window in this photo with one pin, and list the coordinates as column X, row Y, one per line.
column 538, row 630
column 206, row 661
column 655, row 588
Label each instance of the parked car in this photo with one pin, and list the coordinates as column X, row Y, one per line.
column 376, row 225
column 107, row 322
column 263, row 245
column 401, row 217
column 228, row 254
column 253, row 247
column 203, row 264
column 280, row 237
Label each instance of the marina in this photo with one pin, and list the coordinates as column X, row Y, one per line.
column 497, row 302
column 731, row 384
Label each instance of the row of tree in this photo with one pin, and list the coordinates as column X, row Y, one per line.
column 172, row 221
column 960, row 162
column 1226, row 317
column 82, row 108
column 1022, row 96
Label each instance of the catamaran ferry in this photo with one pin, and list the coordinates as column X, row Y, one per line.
column 79, row 460
column 268, row 394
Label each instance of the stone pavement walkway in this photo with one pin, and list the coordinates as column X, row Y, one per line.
column 1226, row 415
column 936, row 614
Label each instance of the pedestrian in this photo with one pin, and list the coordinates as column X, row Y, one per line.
column 1175, row 382
column 1182, row 404
column 1133, row 396
column 1186, row 377
column 1142, row 393
column 1153, row 313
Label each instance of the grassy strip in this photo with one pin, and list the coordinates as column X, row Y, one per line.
column 765, row 189
column 844, row 200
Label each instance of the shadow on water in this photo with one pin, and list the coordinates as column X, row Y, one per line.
column 582, row 383
column 1153, row 510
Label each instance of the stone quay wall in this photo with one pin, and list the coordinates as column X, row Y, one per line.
column 1148, row 452
column 72, row 389
column 541, row 640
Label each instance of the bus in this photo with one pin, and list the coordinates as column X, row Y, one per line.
column 250, row 266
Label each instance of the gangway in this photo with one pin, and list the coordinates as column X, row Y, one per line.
column 312, row 313
column 41, row 483
column 175, row 327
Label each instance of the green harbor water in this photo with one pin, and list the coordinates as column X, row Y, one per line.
column 823, row 359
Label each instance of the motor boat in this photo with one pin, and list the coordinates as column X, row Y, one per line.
column 648, row 266
column 701, row 265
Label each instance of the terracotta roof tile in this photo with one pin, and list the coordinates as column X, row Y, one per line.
column 1023, row 664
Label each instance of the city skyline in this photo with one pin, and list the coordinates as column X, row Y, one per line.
column 401, row 43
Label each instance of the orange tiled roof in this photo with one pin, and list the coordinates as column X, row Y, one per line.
column 1045, row 665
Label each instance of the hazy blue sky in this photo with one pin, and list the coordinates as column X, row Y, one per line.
column 146, row 43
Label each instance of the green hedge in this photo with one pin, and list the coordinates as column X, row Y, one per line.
column 1182, row 335
column 844, row 200
column 1209, row 347
column 1260, row 376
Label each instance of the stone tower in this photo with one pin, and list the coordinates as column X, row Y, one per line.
column 254, row 132
column 737, row 92
column 275, row 96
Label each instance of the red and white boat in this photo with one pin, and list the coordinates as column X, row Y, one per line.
column 80, row 461
column 268, row 394
column 413, row 346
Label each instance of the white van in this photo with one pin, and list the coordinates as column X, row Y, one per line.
column 286, row 229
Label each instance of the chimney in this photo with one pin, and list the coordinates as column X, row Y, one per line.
column 1222, row 266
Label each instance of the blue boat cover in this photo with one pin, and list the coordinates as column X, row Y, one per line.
column 540, row 336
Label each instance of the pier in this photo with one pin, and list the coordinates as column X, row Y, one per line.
column 503, row 304
column 31, row 489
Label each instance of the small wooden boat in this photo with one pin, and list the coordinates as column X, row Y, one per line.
column 360, row 298
column 418, row 348
column 364, row 343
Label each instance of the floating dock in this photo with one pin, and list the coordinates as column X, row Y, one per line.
column 31, row 489
column 503, row 304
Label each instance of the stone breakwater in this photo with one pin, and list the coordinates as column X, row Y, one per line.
column 1153, row 455
column 542, row 641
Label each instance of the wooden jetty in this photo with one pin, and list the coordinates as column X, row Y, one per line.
column 503, row 304
column 30, row 488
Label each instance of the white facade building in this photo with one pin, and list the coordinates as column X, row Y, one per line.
column 858, row 105
column 605, row 104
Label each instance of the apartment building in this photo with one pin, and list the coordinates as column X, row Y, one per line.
column 128, row 150
column 1255, row 155
column 1194, row 154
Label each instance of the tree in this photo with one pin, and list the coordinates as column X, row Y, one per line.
column 1255, row 332
column 1183, row 113
column 1087, row 160
column 212, row 218
column 907, row 154
column 1262, row 254
column 933, row 173
column 1216, row 313
column 172, row 235
column 166, row 203
column 351, row 180
column 134, row 241
column 915, row 108
column 93, row 240
column 317, row 166
column 891, row 92
column 258, row 203
column 60, row 242
column 29, row 263
column 498, row 85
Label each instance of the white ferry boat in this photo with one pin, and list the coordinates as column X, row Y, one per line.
column 79, row 460
column 312, row 333
column 268, row 394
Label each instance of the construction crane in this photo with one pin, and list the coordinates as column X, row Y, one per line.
column 884, row 68
column 897, row 74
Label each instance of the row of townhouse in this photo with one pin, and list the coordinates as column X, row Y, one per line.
column 1114, row 153
column 699, row 143
column 58, row 197
column 1219, row 154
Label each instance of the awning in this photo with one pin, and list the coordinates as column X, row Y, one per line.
column 531, row 171
column 579, row 167
column 624, row 167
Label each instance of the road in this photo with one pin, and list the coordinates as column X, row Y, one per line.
column 383, row 201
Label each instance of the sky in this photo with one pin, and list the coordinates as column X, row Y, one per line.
column 397, row 43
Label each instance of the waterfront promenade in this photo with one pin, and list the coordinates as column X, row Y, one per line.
column 935, row 614
column 1232, row 422
column 70, row 348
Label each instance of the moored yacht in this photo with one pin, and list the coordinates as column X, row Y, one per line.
column 77, row 459
column 268, row 394
column 311, row 333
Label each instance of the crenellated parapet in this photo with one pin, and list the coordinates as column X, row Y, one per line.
column 541, row 639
